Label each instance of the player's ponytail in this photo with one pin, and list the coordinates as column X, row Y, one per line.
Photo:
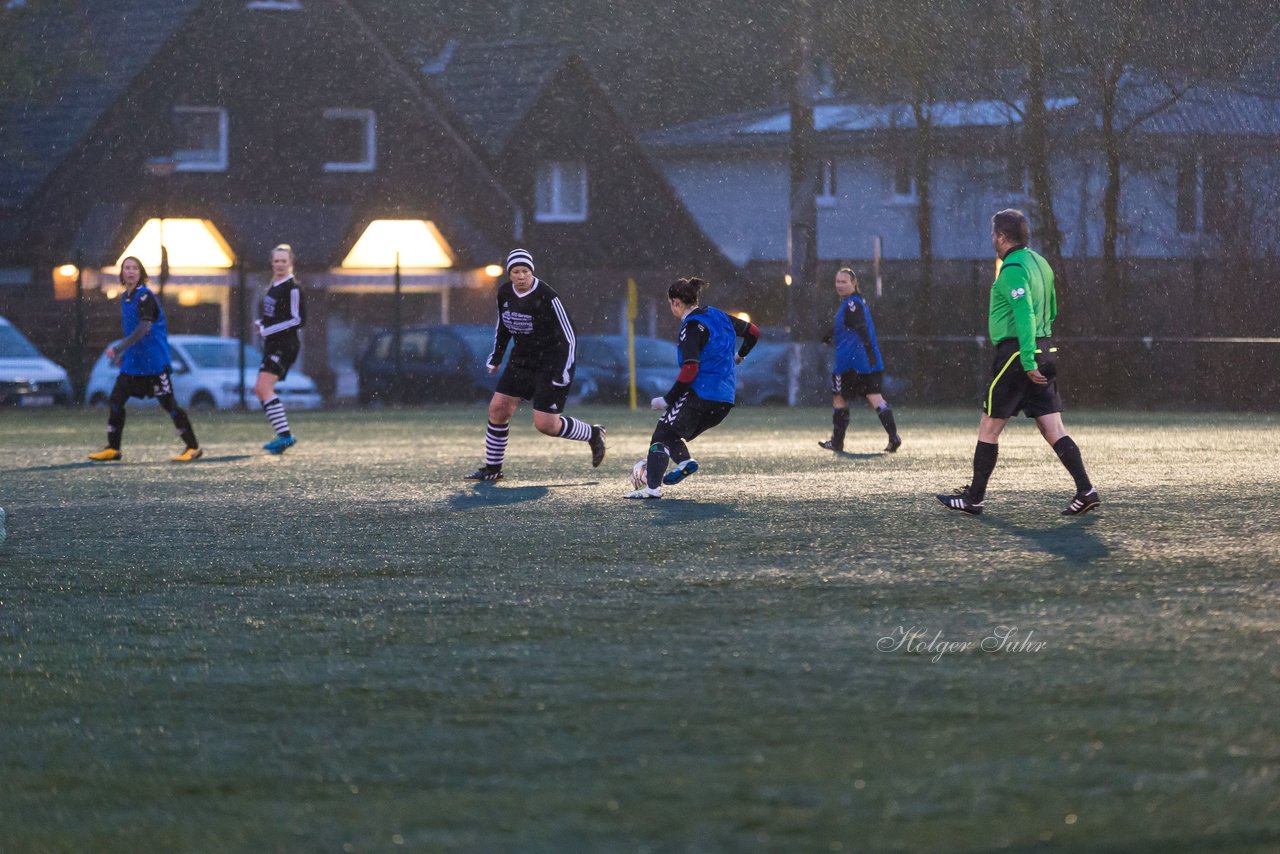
column 686, row 290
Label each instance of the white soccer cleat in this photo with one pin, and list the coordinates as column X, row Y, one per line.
column 645, row 493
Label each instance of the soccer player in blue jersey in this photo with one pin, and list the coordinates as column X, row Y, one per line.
column 145, row 368
column 703, row 392
column 859, row 367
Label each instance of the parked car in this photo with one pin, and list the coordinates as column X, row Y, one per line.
column 204, row 376
column 763, row 376
column 27, row 378
column 441, row 363
column 604, row 374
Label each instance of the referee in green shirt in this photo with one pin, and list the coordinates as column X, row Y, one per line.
column 1024, row 371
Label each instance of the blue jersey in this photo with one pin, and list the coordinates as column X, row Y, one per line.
column 716, row 379
column 149, row 355
column 855, row 338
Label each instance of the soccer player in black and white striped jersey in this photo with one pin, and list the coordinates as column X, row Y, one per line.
column 283, row 314
column 541, row 368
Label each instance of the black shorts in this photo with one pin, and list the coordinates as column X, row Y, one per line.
column 535, row 384
column 691, row 416
column 142, row 385
column 278, row 356
column 1010, row 392
column 853, row 384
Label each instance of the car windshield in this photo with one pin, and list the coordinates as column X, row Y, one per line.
column 221, row 354
column 654, row 353
column 478, row 341
column 765, row 357
column 14, row 345
column 611, row 351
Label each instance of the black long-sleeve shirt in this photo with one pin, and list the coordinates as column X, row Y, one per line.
column 541, row 328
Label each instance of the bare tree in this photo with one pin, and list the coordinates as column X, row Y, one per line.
column 1105, row 40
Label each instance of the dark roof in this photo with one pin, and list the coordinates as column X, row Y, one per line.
column 41, row 122
column 493, row 85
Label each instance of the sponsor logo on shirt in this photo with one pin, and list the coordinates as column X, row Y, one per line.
column 1017, row 293
column 268, row 306
column 517, row 323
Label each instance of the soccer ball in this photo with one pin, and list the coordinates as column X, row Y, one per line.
column 640, row 474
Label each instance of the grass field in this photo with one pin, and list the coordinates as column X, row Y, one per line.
column 349, row 649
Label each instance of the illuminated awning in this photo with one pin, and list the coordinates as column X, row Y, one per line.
column 418, row 243
column 193, row 244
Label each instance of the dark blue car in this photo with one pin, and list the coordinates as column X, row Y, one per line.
column 438, row 364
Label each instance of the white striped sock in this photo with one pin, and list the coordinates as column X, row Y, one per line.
column 574, row 429
column 275, row 414
column 495, row 443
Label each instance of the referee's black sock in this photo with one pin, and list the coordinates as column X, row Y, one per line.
column 1069, row 453
column 984, row 463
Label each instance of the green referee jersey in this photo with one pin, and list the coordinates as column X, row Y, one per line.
column 1023, row 303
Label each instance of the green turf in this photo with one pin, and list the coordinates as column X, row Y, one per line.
column 348, row 648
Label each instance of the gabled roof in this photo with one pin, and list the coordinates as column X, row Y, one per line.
column 40, row 126
column 493, row 85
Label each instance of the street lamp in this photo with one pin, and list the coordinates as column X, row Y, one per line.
column 162, row 168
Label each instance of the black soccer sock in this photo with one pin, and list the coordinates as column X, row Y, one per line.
column 886, row 419
column 115, row 426
column 575, row 429
column 984, row 463
column 495, row 444
column 1069, row 453
column 679, row 451
column 839, row 426
column 275, row 414
column 180, row 420
column 657, row 462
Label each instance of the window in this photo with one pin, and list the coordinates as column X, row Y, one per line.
column 1208, row 194
column 350, row 137
column 904, row 180
column 1188, row 201
column 200, row 139
column 561, row 191
column 1221, row 197
column 1015, row 176
column 826, row 197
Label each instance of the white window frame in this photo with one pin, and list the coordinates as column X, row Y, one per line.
column 186, row 163
column 826, row 197
column 557, row 173
column 370, row 162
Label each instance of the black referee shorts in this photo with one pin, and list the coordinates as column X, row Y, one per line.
column 691, row 416
column 1011, row 392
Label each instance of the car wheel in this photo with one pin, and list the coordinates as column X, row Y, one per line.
column 202, row 401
